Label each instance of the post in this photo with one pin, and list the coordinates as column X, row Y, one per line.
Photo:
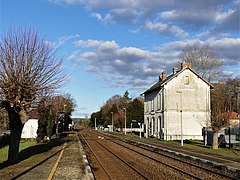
column 181, row 128
column 229, row 137
column 112, row 121
column 239, row 125
column 64, row 110
column 147, row 128
column 50, row 131
column 125, row 131
column 181, row 112
column 140, row 133
column 95, row 124
column 57, row 128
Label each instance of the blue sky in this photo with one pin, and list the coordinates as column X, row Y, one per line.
column 111, row 46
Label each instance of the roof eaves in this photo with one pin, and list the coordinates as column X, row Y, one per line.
column 170, row 77
column 211, row 86
column 158, row 84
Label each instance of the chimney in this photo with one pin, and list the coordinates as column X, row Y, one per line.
column 164, row 75
column 160, row 78
column 186, row 65
column 174, row 70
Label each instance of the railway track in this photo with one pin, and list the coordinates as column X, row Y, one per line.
column 202, row 169
column 218, row 161
column 102, row 154
column 179, row 167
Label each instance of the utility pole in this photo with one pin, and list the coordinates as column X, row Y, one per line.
column 64, row 110
column 125, row 121
column 181, row 112
column 112, row 120
column 95, row 123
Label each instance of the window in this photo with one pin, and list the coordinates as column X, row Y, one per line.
column 147, row 106
column 186, row 80
column 152, row 104
column 159, row 103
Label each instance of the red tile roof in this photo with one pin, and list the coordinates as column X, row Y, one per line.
column 232, row 115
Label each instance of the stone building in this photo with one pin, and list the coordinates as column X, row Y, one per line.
column 177, row 106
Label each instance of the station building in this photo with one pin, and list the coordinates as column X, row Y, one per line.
column 178, row 105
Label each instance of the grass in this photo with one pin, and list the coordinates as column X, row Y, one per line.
column 199, row 145
column 23, row 145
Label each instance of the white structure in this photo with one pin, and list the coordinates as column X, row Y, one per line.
column 30, row 129
column 178, row 106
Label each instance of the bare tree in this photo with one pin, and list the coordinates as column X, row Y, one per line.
column 220, row 102
column 205, row 61
column 29, row 68
column 232, row 89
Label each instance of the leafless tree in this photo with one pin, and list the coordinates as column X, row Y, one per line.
column 220, row 102
column 29, row 68
column 232, row 89
column 205, row 61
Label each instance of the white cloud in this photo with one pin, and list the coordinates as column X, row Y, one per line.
column 133, row 52
column 119, row 62
column 134, row 31
column 73, row 56
column 225, row 43
column 105, row 19
column 68, row 2
column 169, row 14
column 97, row 16
column 221, row 16
column 179, row 45
column 174, row 17
column 108, row 45
column 96, row 44
column 128, row 66
column 166, row 28
column 61, row 41
column 227, row 48
column 125, row 66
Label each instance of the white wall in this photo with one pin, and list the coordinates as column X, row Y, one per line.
column 194, row 101
column 30, row 129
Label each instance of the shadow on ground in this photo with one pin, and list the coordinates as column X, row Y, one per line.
column 37, row 149
column 196, row 143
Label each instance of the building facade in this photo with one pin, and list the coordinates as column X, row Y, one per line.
column 177, row 106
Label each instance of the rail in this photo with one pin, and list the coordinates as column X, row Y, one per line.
column 174, row 158
column 99, row 161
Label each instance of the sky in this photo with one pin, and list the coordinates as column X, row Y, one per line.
column 110, row 46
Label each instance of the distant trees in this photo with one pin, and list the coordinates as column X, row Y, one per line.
column 29, row 69
column 135, row 111
column 205, row 61
column 50, row 110
column 116, row 105
column 219, row 118
column 232, row 89
column 224, row 99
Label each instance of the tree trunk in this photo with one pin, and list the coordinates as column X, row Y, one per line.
column 215, row 140
column 16, row 127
